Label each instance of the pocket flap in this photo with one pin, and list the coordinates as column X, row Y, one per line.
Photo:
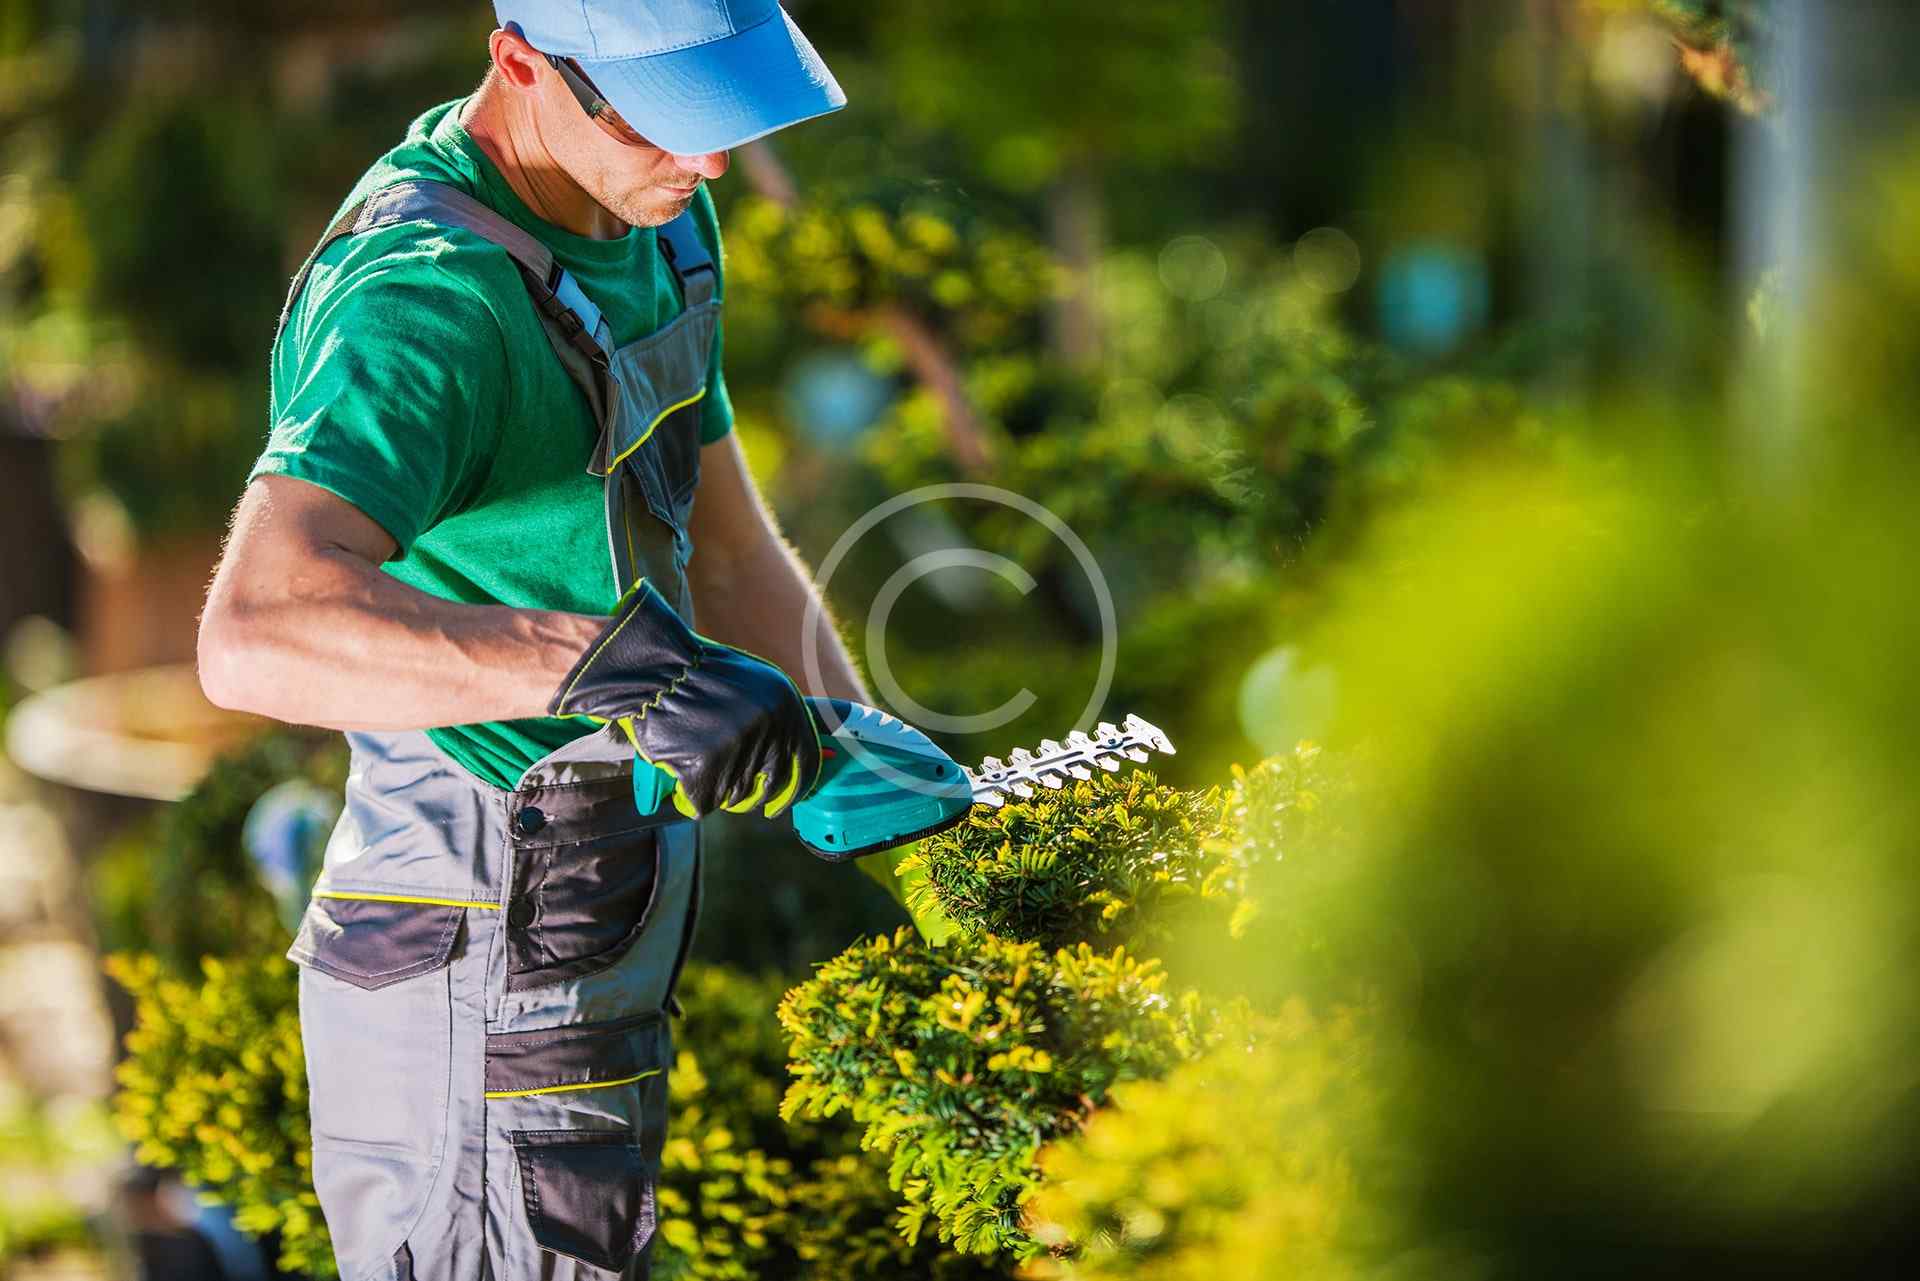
column 575, row 1058
column 589, row 1193
column 371, row 942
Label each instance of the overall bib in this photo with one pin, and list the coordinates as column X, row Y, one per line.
column 485, row 974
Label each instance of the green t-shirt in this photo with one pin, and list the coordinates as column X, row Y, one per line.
column 415, row 381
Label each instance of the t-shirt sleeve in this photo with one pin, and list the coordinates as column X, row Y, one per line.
column 716, row 411
column 392, row 396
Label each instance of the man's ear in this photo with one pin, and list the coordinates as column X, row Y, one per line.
column 516, row 64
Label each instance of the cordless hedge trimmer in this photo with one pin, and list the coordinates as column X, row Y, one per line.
column 883, row 783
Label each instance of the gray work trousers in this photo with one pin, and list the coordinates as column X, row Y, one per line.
column 484, row 983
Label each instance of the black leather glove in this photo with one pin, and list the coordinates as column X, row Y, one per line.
column 732, row 729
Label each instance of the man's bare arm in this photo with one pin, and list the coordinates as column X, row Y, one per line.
column 302, row 625
column 750, row 589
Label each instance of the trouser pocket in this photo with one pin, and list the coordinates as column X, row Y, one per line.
column 576, row 908
column 579, row 1115
column 588, row 1194
column 376, row 1021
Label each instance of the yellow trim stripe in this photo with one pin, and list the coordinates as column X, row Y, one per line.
column 748, row 802
column 657, row 419
column 406, row 898
column 557, row 1089
column 785, row 797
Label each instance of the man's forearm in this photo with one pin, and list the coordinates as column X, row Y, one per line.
column 377, row 654
column 306, row 628
column 757, row 599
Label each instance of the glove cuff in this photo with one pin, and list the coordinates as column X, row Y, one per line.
column 644, row 644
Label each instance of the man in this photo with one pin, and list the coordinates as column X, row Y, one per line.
column 471, row 543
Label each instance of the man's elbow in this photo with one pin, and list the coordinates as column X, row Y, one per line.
column 232, row 661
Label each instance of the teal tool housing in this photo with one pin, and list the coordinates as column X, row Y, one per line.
column 882, row 783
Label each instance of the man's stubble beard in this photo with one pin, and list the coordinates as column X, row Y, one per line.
column 644, row 208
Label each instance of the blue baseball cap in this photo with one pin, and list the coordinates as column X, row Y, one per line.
column 693, row 76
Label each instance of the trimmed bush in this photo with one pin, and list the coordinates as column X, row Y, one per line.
column 1103, row 859
column 962, row 1063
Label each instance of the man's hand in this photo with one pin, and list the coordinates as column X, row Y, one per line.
column 731, row 728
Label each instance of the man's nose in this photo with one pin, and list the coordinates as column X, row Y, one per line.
column 708, row 165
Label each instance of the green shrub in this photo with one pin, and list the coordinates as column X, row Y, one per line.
column 744, row 1194
column 728, row 1166
column 729, row 1023
column 843, row 1215
column 214, row 1086
column 962, row 1062
column 1103, row 859
column 722, row 1203
column 1122, row 858
column 1239, row 1164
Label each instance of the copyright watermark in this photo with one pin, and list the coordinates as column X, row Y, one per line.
column 880, row 612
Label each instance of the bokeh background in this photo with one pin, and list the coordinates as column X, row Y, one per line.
column 1515, row 397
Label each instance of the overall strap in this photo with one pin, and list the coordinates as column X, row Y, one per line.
column 575, row 326
column 434, row 202
column 573, row 323
column 686, row 253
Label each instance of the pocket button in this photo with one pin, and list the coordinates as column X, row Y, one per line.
column 520, row 914
column 529, row 821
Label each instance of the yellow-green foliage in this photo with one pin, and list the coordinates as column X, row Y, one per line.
column 734, row 1212
column 744, row 1195
column 843, row 1223
column 962, row 1061
column 1103, row 858
column 1123, row 858
column 215, row 1087
column 728, row 1164
column 721, row 1204
column 1280, row 866
column 920, row 254
column 1239, row 1164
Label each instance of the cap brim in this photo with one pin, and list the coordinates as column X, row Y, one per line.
column 723, row 93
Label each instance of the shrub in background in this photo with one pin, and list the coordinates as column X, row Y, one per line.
column 214, row 1086
column 1241, row 1163
column 180, row 886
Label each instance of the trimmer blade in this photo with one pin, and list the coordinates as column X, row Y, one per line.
column 1050, row 766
